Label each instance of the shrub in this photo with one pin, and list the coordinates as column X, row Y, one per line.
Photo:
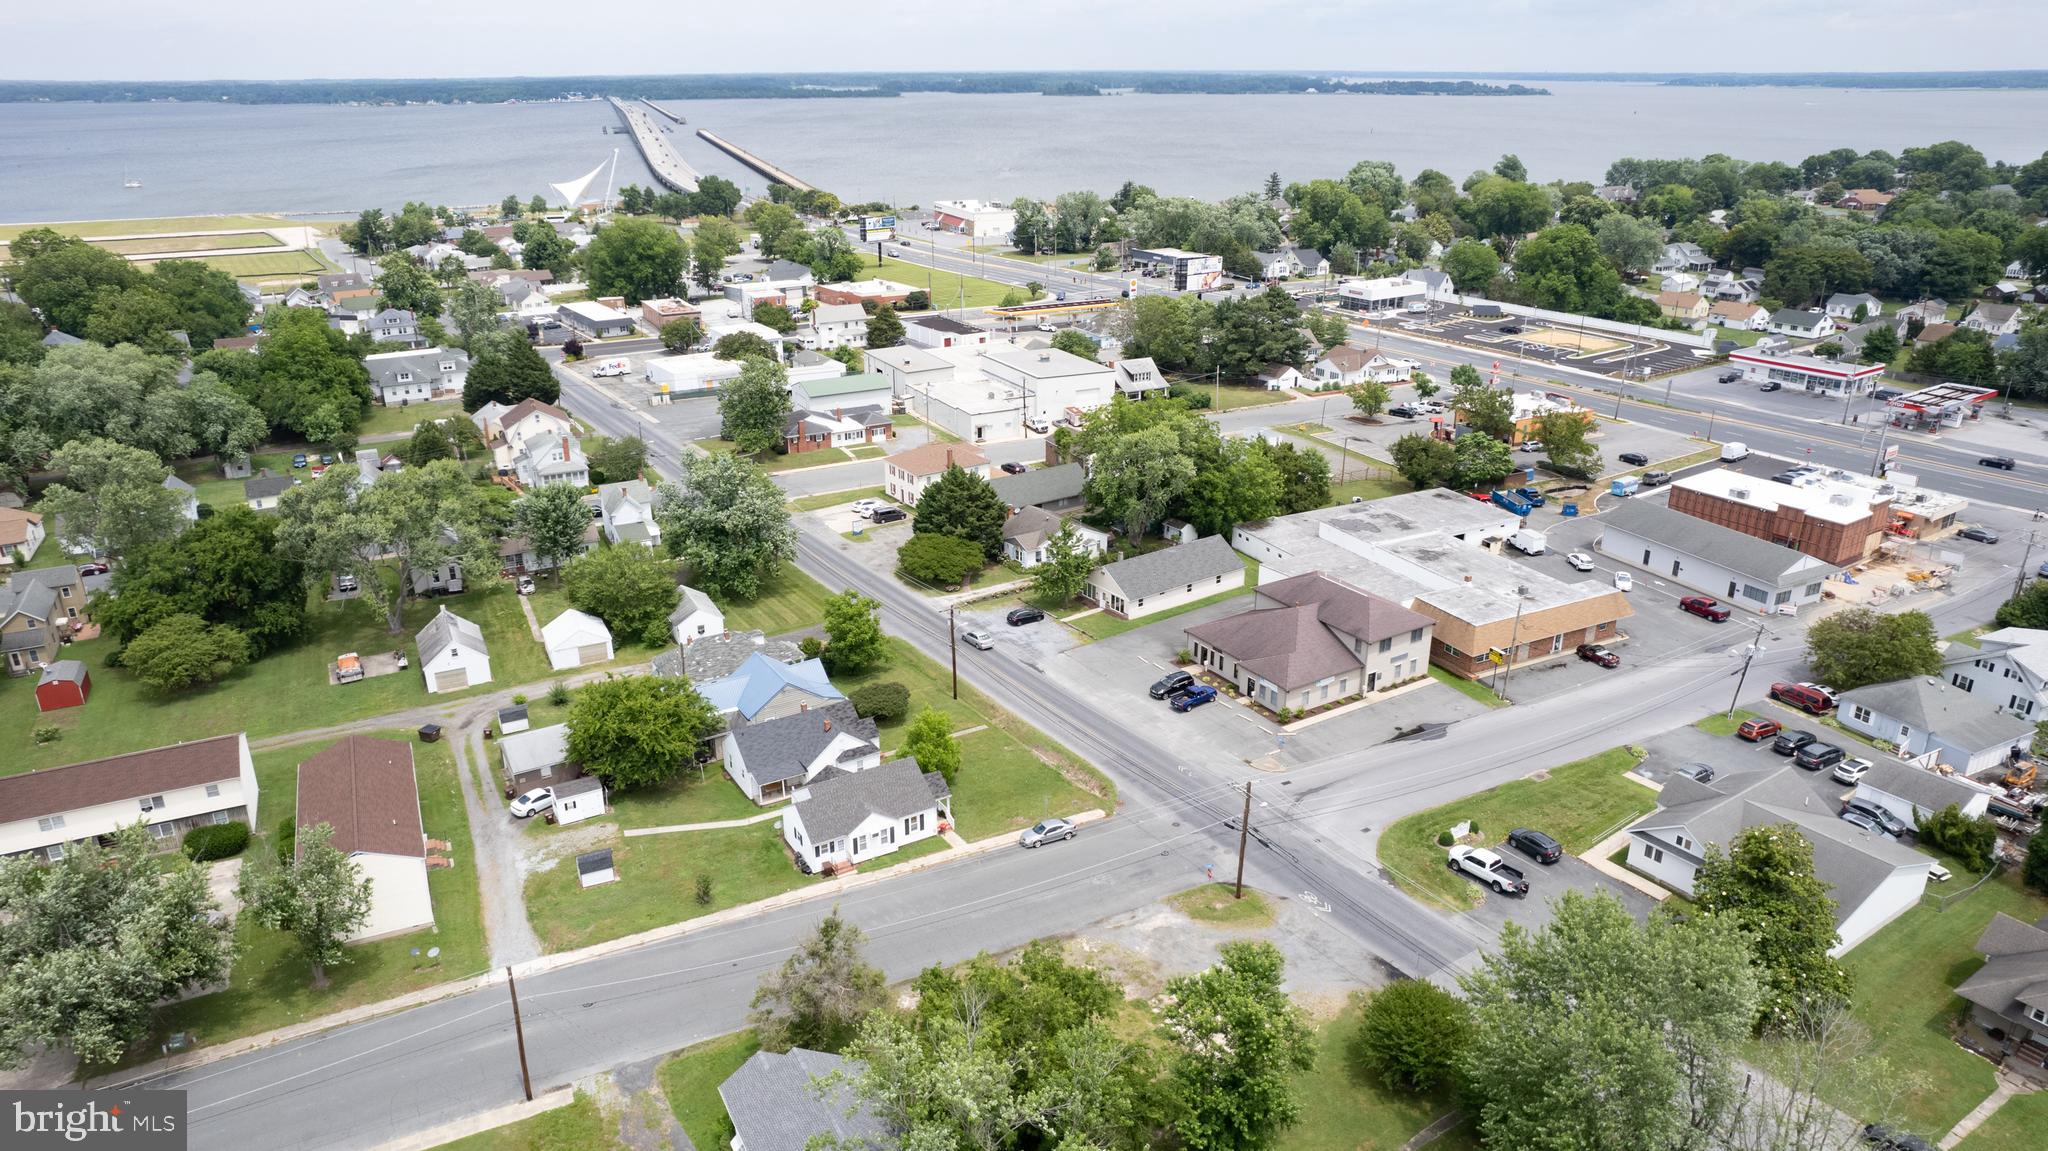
column 519, row 699
column 287, row 839
column 558, row 693
column 216, row 841
column 703, row 890
column 1444, row 839
column 811, row 646
column 941, row 560
column 1413, row 1033
column 46, row 734
column 1969, row 840
column 2036, row 870
column 881, row 702
column 1197, row 398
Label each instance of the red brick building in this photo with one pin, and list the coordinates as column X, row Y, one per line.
column 1837, row 522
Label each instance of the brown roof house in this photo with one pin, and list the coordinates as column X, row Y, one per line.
column 368, row 792
column 907, row 473
column 2009, row 994
column 1314, row 640
column 171, row 789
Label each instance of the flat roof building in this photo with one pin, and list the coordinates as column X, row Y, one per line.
column 1835, row 521
column 1807, row 373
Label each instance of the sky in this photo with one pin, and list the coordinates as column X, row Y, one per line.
column 240, row 39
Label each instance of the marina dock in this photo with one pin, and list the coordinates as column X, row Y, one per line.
column 661, row 155
column 752, row 161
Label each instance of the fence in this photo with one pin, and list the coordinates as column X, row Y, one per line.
column 1618, row 327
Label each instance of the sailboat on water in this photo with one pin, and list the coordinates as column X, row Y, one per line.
column 128, row 181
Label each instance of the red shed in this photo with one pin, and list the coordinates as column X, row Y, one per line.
column 64, row 684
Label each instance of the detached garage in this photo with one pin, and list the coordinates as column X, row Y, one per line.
column 452, row 653
column 64, row 684
column 574, row 639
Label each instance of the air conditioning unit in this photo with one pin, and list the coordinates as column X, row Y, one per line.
column 1738, row 493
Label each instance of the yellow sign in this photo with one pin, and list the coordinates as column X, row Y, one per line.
column 1496, row 656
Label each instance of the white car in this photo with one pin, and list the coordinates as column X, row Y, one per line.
column 1046, row 326
column 525, row 585
column 533, row 802
column 1624, row 581
column 864, row 508
column 1852, row 770
column 1580, row 561
column 978, row 639
column 1531, row 446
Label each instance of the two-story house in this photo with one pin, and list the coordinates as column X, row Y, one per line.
column 507, row 429
column 626, row 510
column 394, row 326
column 418, row 375
column 1313, row 640
column 906, row 474
column 37, row 609
column 21, row 534
column 170, row 789
column 2008, row 668
column 834, row 326
column 772, row 758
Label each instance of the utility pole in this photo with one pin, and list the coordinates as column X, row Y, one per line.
column 1755, row 646
column 2019, row 579
column 519, row 1031
column 1244, row 831
column 1514, row 641
column 953, row 642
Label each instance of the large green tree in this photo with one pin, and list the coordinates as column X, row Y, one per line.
column 1565, row 443
column 929, row 740
column 822, row 992
column 63, row 276
column 553, row 520
column 635, row 258
column 1480, row 461
column 853, row 633
column 122, row 394
column 638, row 731
column 1562, row 268
column 1063, row 574
column 631, row 588
column 753, row 408
column 729, row 522
column 1471, row 266
column 1425, row 461
column 885, row 329
column 505, row 368
column 1239, row 1043
column 112, row 497
column 1630, row 244
column 1137, row 476
column 306, row 377
column 961, row 503
column 1859, row 646
column 1414, row 1034
column 319, row 897
column 1766, row 888
column 403, row 283
column 225, row 569
column 1484, row 408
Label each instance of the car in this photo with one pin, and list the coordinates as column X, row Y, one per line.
column 1887, row 393
column 977, row 638
column 1624, row 581
column 1788, row 476
column 1773, row 386
column 1758, row 730
column 2042, row 571
column 1861, row 820
column 1489, row 868
column 1019, row 616
column 533, row 802
column 1851, row 770
column 1536, row 845
column 1980, row 534
column 1171, row 682
column 1819, row 756
column 346, row 583
column 525, row 585
column 1046, row 326
column 1879, row 814
column 1729, row 377
column 1580, row 561
column 867, row 507
column 743, row 277
column 1634, row 459
column 888, row 515
column 1511, row 329
column 1705, row 607
column 1826, row 692
column 1047, row 831
column 1403, row 411
column 1033, row 423
column 1536, row 499
column 1530, row 446
column 93, row 567
column 1013, row 468
column 2002, row 463
column 1789, row 742
column 299, row 461
column 1803, row 697
column 317, row 471
column 1884, row 1138
column 1190, row 698
column 1695, row 771
column 1655, row 479
column 902, row 242
column 1594, row 653
column 326, row 459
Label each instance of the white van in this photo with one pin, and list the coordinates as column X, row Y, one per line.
column 1733, row 451
column 605, row 368
column 1528, row 542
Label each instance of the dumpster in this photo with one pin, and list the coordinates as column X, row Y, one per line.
column 1571, row 510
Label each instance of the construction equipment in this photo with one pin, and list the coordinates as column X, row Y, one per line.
column 2020, row 774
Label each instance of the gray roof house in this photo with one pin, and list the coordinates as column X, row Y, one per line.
column 535, row 756
column 1801, row 323
column 1842, row 306
column 417, row 375
column 1142, row 585
column 1313, row 640
column 716, row 657
column 1873, row 879
column 1707, row 557
column 1052, row 489
column 263, row 490
column 1925, row 715
column 846, row 818
column 770, row 759
column 774, row 1107
column 452, row 653
column 1913, row 793
column 2010, row 992
column 1138, row 376
column 395, row 326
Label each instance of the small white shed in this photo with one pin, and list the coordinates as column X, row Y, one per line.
column 452, row 653
column 595, row 867
column 579, row 799
column 574, row 639
column 695, row 616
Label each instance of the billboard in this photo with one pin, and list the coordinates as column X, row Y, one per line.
column 1203, row 273
column 874, row 228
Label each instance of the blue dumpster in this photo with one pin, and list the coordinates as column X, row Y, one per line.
column 1571, row 510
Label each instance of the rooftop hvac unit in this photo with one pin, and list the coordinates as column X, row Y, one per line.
column 1738, row 493
column 1841, row 498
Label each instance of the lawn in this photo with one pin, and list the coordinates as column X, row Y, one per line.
column 270, row 985
column 1578, row 805
column 156, row 245
column 1102, row 625
column 688, row 800
column 581, row 1126
column 383, row 420
column 1367, row 489
column 778, row 461
column 1345, row 1107
column 1905, row 994
column 1215, row 903
column 1967, row 636
column 690, row 1079
column 833, row 499
column 286, row 691
column 157, row 226
column 214, row 490
column 1234, row 396
column 945, row 287
column 789, row 601
column 1742, row 336
column 549, row 600
column 657, row 884
column 2016, row 1127
column 1720, row 724
column 272, row 265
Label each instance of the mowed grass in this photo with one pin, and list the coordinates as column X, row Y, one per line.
column 580, row 1126
column 271, row 985
column 1725, row 724
column 1102, row 625
column 2017, row 1126
column 1345, row 1107
column 1217, row 903
column 155, row 226
column 690, row 1079
column 1576, row 805
column 154, row 245
column 788, row 601
column 657, row 884
column 1230, row 397
column 774, row 462
column 384, row 420
column 1471, row 689
column 1906, row 976
column 303, row 262
column 946, row 287
column 833, row 499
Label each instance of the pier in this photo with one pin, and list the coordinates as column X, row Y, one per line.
column 661, row 155
column 752, row 161
column 662, row 112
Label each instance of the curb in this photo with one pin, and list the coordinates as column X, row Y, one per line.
column 484, row 1121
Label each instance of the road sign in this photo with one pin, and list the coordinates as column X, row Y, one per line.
column 1495, row 655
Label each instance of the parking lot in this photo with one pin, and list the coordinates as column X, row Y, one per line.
column 1632, row 356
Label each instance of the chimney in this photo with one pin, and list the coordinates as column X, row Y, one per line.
column 803, row 706
column 949, row 457
column 828, row 725
column 1468, row 579
column 838, row 413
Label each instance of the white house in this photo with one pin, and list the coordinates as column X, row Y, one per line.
column 626, row 509
column 1280, row 377
column 1927, row 716
column 834, row 326
column 1994, row 319
column 578, row 799
column 188, row 499
column 2008, row 669
column 1842, row 306
column 574, row 639
column 771, row 758
column 173, row 789
column 851, row 818
column 1343, row 366
column 262, row 491
column 695, row 616
column 1913, row 793
column 452, row 653
column 906, row 474
column 1800, row 324
column 1871, row 878
column 1683, row 257
column 507, row 430
column 1139, row 377
column 554, row 460
column 415, row 377
column 21, row 533
column 1052, row 380
column 367, row 791
column 1030, row 529
column 1151, row 583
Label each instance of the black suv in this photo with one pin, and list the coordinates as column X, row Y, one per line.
column 1019, row 616
column 1789, row 742
column 1819, row 756
column 1535, row 845
column 1172, row 682
column 888, row 515
column 1634, row 459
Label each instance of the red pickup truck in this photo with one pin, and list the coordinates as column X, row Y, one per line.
column 1705, row 607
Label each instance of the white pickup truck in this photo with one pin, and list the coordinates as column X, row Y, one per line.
column 1489, row 868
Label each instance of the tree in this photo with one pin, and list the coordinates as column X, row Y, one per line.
column 1630, row 244
column 1510, row 167
column 929, row 740
column 112, row 497
column 1880, row 344
column 715, row 239
column 430, row 441
column 681, row 335
column 553, row 519
column 1063, row 573
column 2027, row 609
column 209, row 302
column 1252, row 333
column 1653, row 1017
column 729, row 521
column 1424, row 386
column 538, row 205
column 225, row 569
column 1136, row 477
column 1971, row 840
column 402, row 283
column 1507, row 208
column 885, row 329
column 853, row 634
column 1425, row 461
column 1964, row 354
column 1239, row 1042
column 636, row 731
column 1859, row 646
column 474, row 307
column 822, row 992
column 1480, row 461
column 1075, row 342
column 102, row 917
column 1471, row 266
column 961, row 503
column 1563, row 269
column 1272, row 185
column 21, row 334
column 939, row 560
column 1487, row 410
column 1413, row 1033
column 319, row 898
column 1563, row 436
column 62, row 277
column 542, row 248
column 744, row 346
column 1369, row 397
column 615, row 460
column 182, row 651
column 306, row 377
column 777, row 226
column 2035, row 871
column 632, row 589
column 753, row 408
column 1304, row 476
column 506, row 369
column 774, row 317
column 1765, row 887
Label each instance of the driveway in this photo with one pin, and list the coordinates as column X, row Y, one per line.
column 1534, row 911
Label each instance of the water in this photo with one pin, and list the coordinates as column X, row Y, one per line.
column 66, row 161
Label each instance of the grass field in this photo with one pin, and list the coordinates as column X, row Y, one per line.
column 406, row 417
column 1577, row 804
column 1367, row 489
column 272, row 264
column 1215, row 903
column 1231, row 397
column 833, row 499
column 154, row 245
column 781, row 462
column 789, row 601
column 690, row 1079
column 270, row 987
column 2016, row 1127
column 581, row 1126
column 945, row 287
column 147, row 227
column 1103, row 625
column 1469, row 688
column 1344, row 1106
column 1725, row 724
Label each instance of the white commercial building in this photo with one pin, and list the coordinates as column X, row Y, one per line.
column 696, row 372
column 1052, row 381
column 1186, row 271
column 598, row 321
column 1742, row 570
column 974, row 218
column 1384, row 294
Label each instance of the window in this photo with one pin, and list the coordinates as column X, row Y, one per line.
column 914, row 823
column 1556, row 643
column 162, row 830
column 1415, row 636
column 1755, row 593
column 2021, row 704
column 1963, row 681
column 213, row 791
column 405, row 377
column 54, row 852
column 50, row 823
column 219, row 817
column 1387, row 644
column 152, row 803
column 1859, row 713
column 1656, row 854
column 2037, row 1015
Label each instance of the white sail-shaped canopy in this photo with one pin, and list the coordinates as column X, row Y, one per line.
column 571, row 191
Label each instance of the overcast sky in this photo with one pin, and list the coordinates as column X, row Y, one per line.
column 240, row 39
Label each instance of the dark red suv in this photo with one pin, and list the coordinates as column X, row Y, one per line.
column 1802, row 697
column 1705, row 607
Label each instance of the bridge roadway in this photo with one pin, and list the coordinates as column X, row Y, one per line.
column 752, row 161
column 661, row 156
